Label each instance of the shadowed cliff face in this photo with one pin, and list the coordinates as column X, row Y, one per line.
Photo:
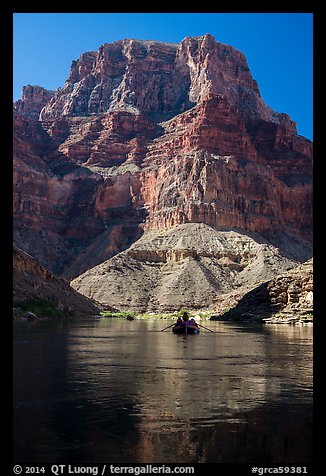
column 147, row 135
column 32, row 281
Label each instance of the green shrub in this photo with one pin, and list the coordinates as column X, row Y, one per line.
column 123, row 314
column 43, row 308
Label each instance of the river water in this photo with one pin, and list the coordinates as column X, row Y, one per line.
column 118, row 391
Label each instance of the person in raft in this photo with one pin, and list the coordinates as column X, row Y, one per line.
column 193, row 322
column 185, row 316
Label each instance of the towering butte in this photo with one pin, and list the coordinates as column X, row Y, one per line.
column 149, row 135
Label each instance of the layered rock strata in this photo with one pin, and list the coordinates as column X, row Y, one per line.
column 287, row 298
column 147, row 135
column 61, row 206
column 186, row 266
column 160, row 79
column 207, row 167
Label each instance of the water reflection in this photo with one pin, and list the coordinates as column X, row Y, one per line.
column 119, row 391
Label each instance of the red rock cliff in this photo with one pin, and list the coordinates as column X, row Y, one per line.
column 34, row 98
column 153, row 134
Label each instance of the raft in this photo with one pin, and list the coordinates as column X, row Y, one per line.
column 185, row 329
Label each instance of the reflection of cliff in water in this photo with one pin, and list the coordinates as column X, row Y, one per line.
column 259, row 436
column 131, row 394
column 210, row 399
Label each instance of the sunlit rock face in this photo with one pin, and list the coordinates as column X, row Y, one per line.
column 33, row 99
column 183, row 266
column 147, row 135
column 288, row 297
column 159, row 78
column 210, row 167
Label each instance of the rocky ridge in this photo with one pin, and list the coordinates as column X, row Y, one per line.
column 33, row 99
column 159, row 79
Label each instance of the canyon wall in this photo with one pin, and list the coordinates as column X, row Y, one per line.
column 147, row 135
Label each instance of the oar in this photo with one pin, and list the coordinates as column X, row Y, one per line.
column 210, row 330
column 167, row 327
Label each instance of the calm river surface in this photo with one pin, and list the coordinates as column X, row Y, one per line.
column 118, row 391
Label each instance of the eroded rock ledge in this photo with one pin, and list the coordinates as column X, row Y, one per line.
column 288, row 298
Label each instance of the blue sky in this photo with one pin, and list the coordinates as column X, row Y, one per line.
column 278, row 48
